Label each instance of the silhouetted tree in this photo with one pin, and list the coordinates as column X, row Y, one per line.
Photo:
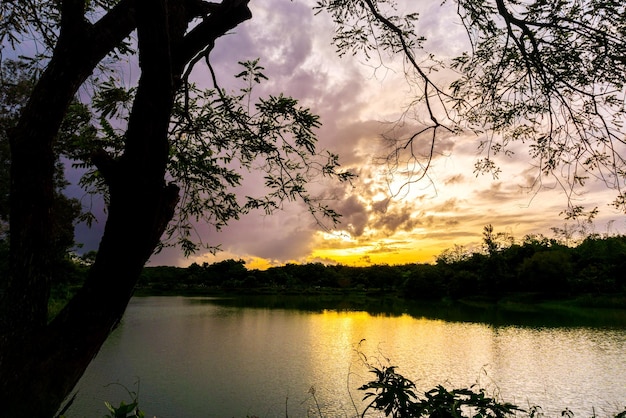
column 16, row 84
column 40, row 361
column 547, row 272
column 424, row 282
column 600, row 264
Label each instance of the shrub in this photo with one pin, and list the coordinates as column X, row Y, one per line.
column 394, row 395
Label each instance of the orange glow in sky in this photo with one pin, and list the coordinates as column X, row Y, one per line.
column 383, row 221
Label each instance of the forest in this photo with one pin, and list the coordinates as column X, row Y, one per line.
column 538, row 266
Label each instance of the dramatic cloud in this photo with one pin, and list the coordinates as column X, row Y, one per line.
column 387, row 218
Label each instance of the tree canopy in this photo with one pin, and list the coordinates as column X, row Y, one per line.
column 545, row 77
column 548, row 74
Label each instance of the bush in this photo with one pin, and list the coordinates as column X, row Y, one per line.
column 394, row 395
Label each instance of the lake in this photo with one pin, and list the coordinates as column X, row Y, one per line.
column 204, row 357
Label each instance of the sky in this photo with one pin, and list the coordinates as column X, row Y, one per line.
column 384, row 221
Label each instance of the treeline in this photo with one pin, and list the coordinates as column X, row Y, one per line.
column 537, row 265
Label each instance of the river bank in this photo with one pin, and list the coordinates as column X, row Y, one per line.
column 512, row 309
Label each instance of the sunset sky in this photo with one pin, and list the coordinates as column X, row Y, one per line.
column 358, row 102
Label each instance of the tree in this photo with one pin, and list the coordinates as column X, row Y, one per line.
column 544, row 75
column 513, row 81
column 15, row 86
column 40, row 362
column 547, row 271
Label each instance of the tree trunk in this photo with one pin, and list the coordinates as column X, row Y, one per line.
column 27, row 344
column 24, row 293
column 39, row 363
column 55, row 356
column 44, row 366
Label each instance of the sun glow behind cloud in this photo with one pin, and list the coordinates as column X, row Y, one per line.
column 386, row 219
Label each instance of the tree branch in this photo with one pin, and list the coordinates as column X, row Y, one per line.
column 108, row 32
column 228, row 15
column 73, row 23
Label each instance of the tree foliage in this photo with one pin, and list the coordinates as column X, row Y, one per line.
column 549, row 74
column 395, row 395
column 162, row 153
column 544, row 76
column 217, row 138
column 538, row 266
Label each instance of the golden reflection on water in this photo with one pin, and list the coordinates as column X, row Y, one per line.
column 200, row 359
column 417, row 346
column 555, row 368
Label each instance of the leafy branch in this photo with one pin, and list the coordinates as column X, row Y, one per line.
column 229, row 134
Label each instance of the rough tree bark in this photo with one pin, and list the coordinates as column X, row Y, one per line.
column 40, row 363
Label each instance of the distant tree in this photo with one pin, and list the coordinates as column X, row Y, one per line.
column 462, row 282
column 316, row 274
column 494, row 242
column 547, row 272
column 282, row 276
column 453, row 255
column 382, row 276
column 600, row 264
column 196, row 273
column 495, row 274
column 227, row 271
column 424, row 282
column 538, row 242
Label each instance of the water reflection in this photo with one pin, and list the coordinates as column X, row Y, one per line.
column 497, row 315
column 220, row 358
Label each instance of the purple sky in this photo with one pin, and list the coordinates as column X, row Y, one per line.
column 358, row 101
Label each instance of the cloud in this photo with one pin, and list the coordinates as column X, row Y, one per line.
column 451, row 205
column 496, row 193
column 357, row 142
column 454, row 179
column 354, row 215
column 397, row 217
column 441, row 26
column 282, row 245
column 365, row 115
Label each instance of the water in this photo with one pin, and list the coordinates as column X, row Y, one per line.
column 193, row 357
